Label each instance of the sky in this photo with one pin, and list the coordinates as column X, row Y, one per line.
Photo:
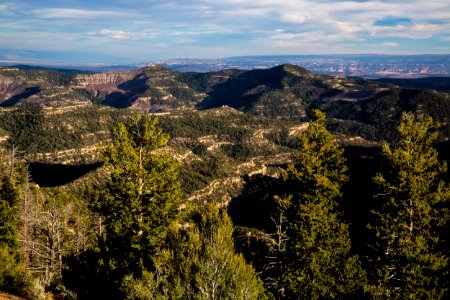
column 162, row 29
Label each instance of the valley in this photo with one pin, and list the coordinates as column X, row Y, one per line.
column 232, row 132
column 222, row 124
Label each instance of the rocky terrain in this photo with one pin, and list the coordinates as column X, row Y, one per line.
column 285, row 91
column 225, row 125
column 156, row 88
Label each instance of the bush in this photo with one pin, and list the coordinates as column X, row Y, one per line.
column 15, row 278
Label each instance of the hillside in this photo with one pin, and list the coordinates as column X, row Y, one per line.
column 441, row 84
column 232, row 131
column 355, row 106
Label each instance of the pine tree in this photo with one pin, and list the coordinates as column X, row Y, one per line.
column 221, row 272
column 13, row 275
column 142, row 197
column 319, row 168
column 12, row 176
column 408, row 262
column 200, row 264
column 8, row 212
column 317, row 259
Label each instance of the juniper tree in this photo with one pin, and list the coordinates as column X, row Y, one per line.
column 317, row 259
column 411, row 208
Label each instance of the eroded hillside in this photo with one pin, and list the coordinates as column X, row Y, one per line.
column 225, row 126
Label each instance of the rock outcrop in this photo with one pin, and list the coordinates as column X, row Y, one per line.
column 11, row 86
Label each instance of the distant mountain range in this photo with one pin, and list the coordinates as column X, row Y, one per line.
column 362, row 107
column 367, row 66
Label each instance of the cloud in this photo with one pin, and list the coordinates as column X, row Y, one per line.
column 7, row 9
column 70, row 13
column 295, row 18
column 241, row 26
column 390, row 44
column 116, row 34
column 123, row 35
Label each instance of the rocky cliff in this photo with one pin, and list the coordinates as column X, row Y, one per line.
column 10, row 86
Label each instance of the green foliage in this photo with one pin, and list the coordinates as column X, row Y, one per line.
column 13, row 275
column 281, row 137
column 317, row 262
column 142, row 197
column 376, row 117
column 282, row 92
column 31, row 132
column 229, row 124
column 411, row 209
column 145, row 288
column 240, row 151
column 201, row 264
column 319, row 169
column 26, row 127
column 198, row 173
column 8, row 212
column 49, row 76
column 221, row 272
column 436, row 83
column 12, row 176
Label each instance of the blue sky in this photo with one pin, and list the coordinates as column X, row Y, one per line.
column 161, row 29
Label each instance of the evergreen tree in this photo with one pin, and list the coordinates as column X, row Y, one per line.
column 142, row 197
column 319, row 168
column 12, row 177
column 411, row 209
column 201, row 264
column 8, row 212
column 317, row 259
column 13, row 275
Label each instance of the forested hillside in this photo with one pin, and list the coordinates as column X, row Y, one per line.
column 263, row 184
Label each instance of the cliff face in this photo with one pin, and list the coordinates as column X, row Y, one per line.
column 14, row 89
column 98, row 80
column 10, row 87
column 118, row 89
column 153, row 88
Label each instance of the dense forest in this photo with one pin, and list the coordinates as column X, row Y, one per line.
column 261, row 184
column 332, row 224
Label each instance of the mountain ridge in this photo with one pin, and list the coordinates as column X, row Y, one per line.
column 285, row 91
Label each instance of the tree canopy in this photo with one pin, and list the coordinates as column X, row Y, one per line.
column 410, row 213
column 317, row 260
column 142, row 198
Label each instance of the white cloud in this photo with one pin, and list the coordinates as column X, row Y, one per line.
column 7, row 9
column 70, row 13
column 390, row 44
column 242, row 26
column 123, row 35
column 294, row 18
